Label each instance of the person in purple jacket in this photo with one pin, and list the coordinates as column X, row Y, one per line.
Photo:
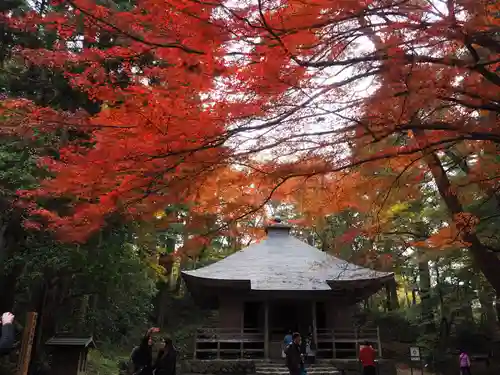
column 464, row 363
column 7, row 338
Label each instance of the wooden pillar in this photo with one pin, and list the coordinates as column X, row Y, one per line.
column 242, row 330
column 314, row 325
column 195, row 343
column 334, row 348
column 379, row 343
column 356, row 336
column 24, row 359
column 266, row 329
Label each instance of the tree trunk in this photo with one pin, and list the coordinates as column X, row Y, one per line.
column 162, row 299
column 81, row 313
column 497, row 306
column 165, row 287
column 161, row 305
column 393, row 301
column 425, row 296
column 413, row 296
column 486, row 299
column 465, row 308
column 486, row 261
column 406, row 291
column 388, row 305
column 94, row 304
column 8, row 291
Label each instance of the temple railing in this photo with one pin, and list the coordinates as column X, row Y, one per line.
column 234, row 343
column 216, row 343
column 344, row 342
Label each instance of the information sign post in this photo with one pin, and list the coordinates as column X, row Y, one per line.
column 416, row 356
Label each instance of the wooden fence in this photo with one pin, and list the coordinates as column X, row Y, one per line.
column 216, row 343
column 235, row 343
column 344, row 343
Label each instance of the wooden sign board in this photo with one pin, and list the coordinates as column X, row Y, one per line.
column 27, row 344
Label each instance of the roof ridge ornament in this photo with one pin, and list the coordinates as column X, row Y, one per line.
column 277, row 226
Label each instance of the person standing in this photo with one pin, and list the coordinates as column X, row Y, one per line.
column 142, row 356
column 287, row 340
column 294, row 357
column 367, row 358
column 166, row 362
column 310, row 348
column 7, row 338
column 464, row 363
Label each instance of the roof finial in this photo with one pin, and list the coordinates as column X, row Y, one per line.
column 276, row 225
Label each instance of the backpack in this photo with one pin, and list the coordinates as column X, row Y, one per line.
column 133, row 353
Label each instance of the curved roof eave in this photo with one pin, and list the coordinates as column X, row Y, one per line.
column 211, row 282
column 385, row 277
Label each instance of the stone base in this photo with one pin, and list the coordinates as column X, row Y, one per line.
column 276, row 368
column 259, row 367
column 217, row 367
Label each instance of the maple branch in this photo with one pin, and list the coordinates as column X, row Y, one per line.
column 133, row 36
column 382, row 156
column 379, row 55
column 300, row 106
column 473, row 181
column 283, row 179
column 487, row 107
column 487, row 261
column 466, row 134
column 395, row 181
column 255, row 209
column 402, row 233
column 330, row 62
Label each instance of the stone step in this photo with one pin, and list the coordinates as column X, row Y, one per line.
column 282, row 364
column 310, row 368
column 280, row 369
column 309, row 372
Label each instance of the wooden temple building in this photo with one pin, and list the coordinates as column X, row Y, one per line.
column 277, row 285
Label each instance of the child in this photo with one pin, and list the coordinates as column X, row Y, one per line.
column 464, row 363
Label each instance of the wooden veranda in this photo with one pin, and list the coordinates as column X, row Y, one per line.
column 227, row 343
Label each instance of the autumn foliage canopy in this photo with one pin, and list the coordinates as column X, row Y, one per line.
column 222, row 104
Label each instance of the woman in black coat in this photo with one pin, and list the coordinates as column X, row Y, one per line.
column 142, row 356
column 166, row 361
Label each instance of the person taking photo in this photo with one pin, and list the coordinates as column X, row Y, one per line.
column 7, row 338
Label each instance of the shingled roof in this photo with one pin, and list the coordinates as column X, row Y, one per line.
column 83, row 342
column 284, row 263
